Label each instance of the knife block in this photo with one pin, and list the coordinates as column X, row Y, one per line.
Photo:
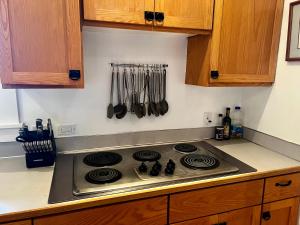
column 39, row 154
column 39, row 146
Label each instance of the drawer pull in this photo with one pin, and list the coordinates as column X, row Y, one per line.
column 266, row 216
column 283, row 184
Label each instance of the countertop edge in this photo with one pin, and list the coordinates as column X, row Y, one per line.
column 153, row 192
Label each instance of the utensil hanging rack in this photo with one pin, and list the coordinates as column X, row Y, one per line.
column 138, row 65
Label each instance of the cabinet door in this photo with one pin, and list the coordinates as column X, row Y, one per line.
column 40, row 43
column 248, row 216
column 245, row 40
column 281, row 213
column 191, row 14
column 210, row 220
column 119, row 11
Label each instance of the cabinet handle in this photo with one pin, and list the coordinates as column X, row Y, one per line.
column 159, row 17
column 266, row 216
column 283, row 184
column 74, row 74
column 149, row 16
column 214, row 74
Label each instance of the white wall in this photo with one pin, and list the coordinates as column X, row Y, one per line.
column 276, row 110
column 87, row 107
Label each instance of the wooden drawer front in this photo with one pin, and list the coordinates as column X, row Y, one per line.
column 194, row 204
column 282, row 187
column 247, row 216
column 145, row 212
column 24, row 222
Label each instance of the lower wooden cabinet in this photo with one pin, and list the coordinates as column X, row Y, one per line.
column 281, row 213
column 215, row 200
column 248, row 216
column 24, row 222
column 151, row 211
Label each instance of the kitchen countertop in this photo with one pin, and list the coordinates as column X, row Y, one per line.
column 25, row 191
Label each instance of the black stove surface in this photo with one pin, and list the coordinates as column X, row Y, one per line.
column 103, row 176
column 187, row 148
column 100, row 159
column 197, row 161
column 146, row 155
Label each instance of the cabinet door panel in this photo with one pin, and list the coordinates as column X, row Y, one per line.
column 42, row 42
column 281, row 213
column 120, row 11
column 192, row 14
column 248, row 216
column 245, row 44
column 210, row 220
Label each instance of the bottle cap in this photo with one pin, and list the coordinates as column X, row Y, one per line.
column 237, row 107
column 220, row 115
column 228, row 108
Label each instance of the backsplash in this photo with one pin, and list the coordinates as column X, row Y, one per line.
column 87, row 107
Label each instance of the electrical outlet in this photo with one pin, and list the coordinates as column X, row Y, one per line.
column 207, row 119
column 65, row 130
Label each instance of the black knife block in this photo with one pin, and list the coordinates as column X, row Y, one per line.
column 40, row 158
column 39, row 147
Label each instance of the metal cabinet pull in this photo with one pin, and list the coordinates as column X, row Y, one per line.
column 159, row 17
column 149, row 16
column 266, row 216
column 283, row 184
column 74, row 74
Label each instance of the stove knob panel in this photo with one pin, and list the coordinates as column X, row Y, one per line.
column 143, row 168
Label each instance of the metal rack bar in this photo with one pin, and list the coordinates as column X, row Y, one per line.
column 137, row 65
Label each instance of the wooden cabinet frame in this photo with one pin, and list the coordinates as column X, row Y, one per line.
column 204, row 56
column 12, row 78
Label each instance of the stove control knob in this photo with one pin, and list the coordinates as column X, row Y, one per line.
column 156, row 168
column 143, row 168
column 170, row 168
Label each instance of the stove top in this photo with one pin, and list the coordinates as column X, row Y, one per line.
column 137, row 168
column 101, row 172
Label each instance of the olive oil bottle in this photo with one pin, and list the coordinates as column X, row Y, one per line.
column 227, row 125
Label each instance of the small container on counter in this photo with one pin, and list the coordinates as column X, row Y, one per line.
column 219, row 130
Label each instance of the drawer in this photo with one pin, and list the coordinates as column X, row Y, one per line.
column 282, row 187
column 24, row 222
column 210, row 201
column 143, row 212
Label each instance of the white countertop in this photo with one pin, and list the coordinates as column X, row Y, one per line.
column 23, row 189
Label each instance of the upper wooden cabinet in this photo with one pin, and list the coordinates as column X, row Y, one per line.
column 40, row 43
column 191, row 14
column 243, row 47
column 182, row 14
column 119, row 11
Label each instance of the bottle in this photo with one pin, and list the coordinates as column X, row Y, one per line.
column 237, row 128
column 219, row 130
column 227, row 125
